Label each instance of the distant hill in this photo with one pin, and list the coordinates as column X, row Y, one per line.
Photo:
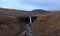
column 40, row 11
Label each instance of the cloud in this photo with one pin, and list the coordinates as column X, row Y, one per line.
column 31, row 4
column 44, row 4
column 15, row 4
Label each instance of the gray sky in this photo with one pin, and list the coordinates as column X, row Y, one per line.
column 51, row 5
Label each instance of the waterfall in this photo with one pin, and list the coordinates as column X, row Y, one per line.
column 30, row 31
column 30, row 19
column 28, row 28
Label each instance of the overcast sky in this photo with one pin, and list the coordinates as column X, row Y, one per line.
column 51, row 5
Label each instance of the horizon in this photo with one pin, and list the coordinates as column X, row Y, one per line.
column 23, row 10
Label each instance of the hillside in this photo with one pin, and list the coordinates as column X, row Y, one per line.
column 12, row 12
column 12, row 22
column 47, row 25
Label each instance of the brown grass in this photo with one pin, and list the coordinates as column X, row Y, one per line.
column 47, row 25
column 10, row 27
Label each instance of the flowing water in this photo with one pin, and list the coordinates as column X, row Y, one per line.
column 30, row 20
column 30, row 31
column 28, row 28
